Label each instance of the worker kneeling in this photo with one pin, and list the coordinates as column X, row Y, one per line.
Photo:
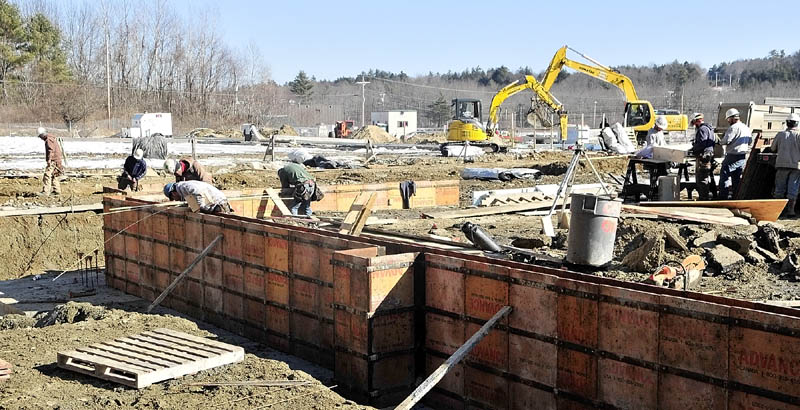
column 297, row 181
column 134, row 169
column 200, row 196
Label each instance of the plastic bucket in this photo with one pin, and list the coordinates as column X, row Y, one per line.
column 592, row 229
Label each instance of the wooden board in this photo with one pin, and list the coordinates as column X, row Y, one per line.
column 489, row 210
column 761, row 209
column 150, row 357
column 512, row 198
column 275, row 196
column 359, row 212
column 686, row 216
column 53, row 210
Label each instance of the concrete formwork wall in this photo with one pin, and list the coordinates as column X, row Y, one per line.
column 380, row 321
column 573, row 344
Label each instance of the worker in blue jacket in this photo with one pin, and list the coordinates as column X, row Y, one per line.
column 134, row 169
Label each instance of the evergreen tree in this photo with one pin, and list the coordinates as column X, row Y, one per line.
column 439, row 111
column 13, row 42
column 49, row 61
column 302, row 85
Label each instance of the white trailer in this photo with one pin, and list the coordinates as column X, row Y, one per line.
column 151, row 123
column 398, row 122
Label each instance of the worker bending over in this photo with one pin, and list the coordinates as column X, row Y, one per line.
column 200, row 196
column 787, row 179
column 703, row 152
column 736, row 140
column 297, row 181
column 54, row 166
column 188, row 170
column 133, row 170
column 655, row 138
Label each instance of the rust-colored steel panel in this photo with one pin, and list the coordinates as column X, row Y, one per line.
column 577, row 315
column 132, row 272
column 743, row 401
column 131, row 247
column 213, row 300
column 694, row 344
column 160, row 226
column 147, row 276
column 277, row 288
column 306, row 329
column 145, row 224
column 440, row 401
column 443, row 334
column 627, row 386
column 352, row 372
column 678, row 393
column 233, row 305
column 277, row 252
column 391, row 288
column 444, row 290
column 486, row 388
column 146, row 251
column 278, row 320
column 194, row 292
column 532, row 359
column 177, row 228
column 534, row 306
column 305, row 256
column 130, row 222
column 233, row 278
column 577, row 373
column 304, row 295
column 212, row 270
column 118, row 244
column 197, row 271
column 177, row 260
column 254, row 312
column 327, row 340
column 565, row 403
column 622, row 321
column 254, row 243
column 524, row 397
column 392, row 332
column 393, row 371
column 232, row 242
column 342, row 277
column 492, row 351
column 763, row 359
column 254, row 283
column 211, row 228
column 326, row 256
column 453, row 381
column 326, row 302
column 194, row 231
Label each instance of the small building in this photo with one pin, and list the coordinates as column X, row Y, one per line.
column 396, row 122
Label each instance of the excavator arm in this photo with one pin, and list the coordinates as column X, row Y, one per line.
column 599, row 71
column 541, row 95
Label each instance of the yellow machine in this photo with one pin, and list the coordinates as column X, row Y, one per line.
column 541, row 104
column 467, row 125
column 638, row 114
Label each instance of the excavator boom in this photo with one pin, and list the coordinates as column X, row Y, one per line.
column 542, row 95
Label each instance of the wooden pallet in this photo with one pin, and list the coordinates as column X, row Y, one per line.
column 510, row 199
column 150, row 357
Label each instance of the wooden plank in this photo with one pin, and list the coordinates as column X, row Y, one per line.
column 359, row 212
column 275, row 196
column 492, row 210
column 722, row 212
column 53, row 210
column 177, row 354
column 156, row 343
column 186, row 342
column 687, row 216
column 133, row 366
column 150, row 352
column 452, row 361
column 512, row 198
column 183, row 274
column 761, row 209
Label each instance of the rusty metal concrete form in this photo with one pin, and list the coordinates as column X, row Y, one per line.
column 382, row 313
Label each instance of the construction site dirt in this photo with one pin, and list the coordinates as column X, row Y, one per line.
column 47, row 244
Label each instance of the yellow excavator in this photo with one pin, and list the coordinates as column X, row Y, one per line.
column 638, row 114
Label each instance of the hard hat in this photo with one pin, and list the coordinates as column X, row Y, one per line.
column 794, row 117
column 139, row 154
column 40, row 131
column 661, row 122
column 169, row 188
column 169, row 165
column 697, row 116
column 733, row 112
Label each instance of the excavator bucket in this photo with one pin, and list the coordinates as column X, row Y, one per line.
column 539, row 114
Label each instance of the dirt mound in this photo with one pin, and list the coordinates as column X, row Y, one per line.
column 71, row 312
column 374, row 134
column 422, row 138
column 213, row 133
column 15, row 321
column 286, row 129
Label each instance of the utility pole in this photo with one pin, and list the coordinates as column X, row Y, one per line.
column 108, row 76
column 594, row 113
column 363, row 98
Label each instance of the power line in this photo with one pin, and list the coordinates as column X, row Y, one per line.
column 433, row 87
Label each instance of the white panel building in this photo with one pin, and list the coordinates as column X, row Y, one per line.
column 396, row 122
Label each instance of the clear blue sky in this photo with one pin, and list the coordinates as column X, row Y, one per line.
column 329, row 39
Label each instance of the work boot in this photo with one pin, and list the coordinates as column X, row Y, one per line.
column 42, row 194
column 790, row 208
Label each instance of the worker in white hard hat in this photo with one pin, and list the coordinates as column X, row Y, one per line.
column 134, row 170
column 655, row 138
column 737, row 141
column 703, row 152
column 54, row 166
column 787, row 163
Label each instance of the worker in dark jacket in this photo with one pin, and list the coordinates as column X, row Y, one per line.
column 703, row 151
column 188, row 170
column 133, row 170
column 297, row 181
column 54, row 165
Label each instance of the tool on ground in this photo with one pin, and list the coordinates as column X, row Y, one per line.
column 452, row 361
column 679, row 275
column 480, row 238
column 566, row 188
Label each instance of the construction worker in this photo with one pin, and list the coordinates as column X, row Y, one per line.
column 703, row 151
column 297, row 181
column 54, row 166
column 655, row 138
column 134, row 169
column 200, row 196
column 188, row 170
column 787, row 179
column 736, row 140
column 5, row 370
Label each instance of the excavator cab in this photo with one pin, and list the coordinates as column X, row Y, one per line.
column 468, row 109
column 467, row 122
column 639, row 115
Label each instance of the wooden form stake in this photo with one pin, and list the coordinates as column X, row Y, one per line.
column 183, row 274
column 275, row 196
column 452, row 361
column 359, row 212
